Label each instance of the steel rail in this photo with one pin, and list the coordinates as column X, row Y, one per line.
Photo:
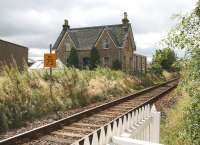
column 43, row 130
column 149, row 101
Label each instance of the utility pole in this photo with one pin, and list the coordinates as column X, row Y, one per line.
column 50, row 69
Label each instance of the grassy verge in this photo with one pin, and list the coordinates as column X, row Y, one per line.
column 172, row 127
column 26, row 96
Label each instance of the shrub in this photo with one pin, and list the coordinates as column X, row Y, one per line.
column 94, row 57
column 73, row 59
column 3, row 118
column 156, row 69
column 117, row 65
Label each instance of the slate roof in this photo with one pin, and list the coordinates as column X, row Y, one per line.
column 86, row 37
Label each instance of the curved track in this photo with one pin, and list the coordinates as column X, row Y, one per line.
column 75, row 127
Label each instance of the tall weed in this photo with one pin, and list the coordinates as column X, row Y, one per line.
column 25, row 95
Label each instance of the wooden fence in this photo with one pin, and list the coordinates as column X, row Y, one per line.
column 138, row 127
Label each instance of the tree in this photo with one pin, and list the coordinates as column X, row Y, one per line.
column 117, row 65
column 186, row 35
column 156, row 69
column 73, row 58
column 165, row 58
column 94, row 57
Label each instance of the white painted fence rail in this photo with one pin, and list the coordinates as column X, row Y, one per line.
column 137, row 127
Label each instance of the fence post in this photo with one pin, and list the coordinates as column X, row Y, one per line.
column 155, row 126
column 108, row 134
column 148, row 125
column 95, row 140
column 129, row 120
column 102, row 138
column 86, row 141
column 120, row 127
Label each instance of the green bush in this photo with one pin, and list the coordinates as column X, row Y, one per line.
column 156, row 69
column 73, row 59
column 117, row 65
column 94, row 57
column 3, row 118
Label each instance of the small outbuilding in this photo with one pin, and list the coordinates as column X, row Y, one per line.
column 39, row 65
column 11, row 53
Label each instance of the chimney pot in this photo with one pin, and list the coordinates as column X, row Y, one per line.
column 66, row 25
column 125, row 15
column 125, row 21
column 66, row 22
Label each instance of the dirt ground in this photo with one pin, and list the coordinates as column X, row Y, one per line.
column 166, row 102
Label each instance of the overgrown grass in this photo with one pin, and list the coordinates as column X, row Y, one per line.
column 173, row 126
column 26, row 96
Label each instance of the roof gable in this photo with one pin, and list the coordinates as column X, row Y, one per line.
column 105, row 32
column 86, row 37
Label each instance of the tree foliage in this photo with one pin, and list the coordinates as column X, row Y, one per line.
column 164, row 58
column 156, row 69
column 94, row 57
column 186, row 35
column 73, row 58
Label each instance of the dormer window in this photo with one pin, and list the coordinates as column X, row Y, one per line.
column 105, row 44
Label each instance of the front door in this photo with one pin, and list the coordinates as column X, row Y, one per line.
column 86, row 62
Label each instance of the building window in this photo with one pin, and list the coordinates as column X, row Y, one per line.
column 67, row 45
column 106, row 61
column 105, row 44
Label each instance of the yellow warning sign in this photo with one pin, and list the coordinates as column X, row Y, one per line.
column 50, row 60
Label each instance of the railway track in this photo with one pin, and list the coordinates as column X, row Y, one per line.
column 75, row 127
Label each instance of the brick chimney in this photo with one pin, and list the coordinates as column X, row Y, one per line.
column 66, row 25
column 125, row 21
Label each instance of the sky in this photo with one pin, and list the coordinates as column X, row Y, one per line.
column 37, row 23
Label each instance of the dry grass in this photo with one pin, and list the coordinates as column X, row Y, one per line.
column 25, row 95
column 172, row 127
column 169, row 75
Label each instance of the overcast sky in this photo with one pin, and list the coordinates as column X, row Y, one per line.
column 37, row 23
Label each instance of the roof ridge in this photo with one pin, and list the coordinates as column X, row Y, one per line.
column 92, row 27
column 13, row 43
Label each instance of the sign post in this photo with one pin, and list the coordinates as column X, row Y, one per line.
column 50, row 61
